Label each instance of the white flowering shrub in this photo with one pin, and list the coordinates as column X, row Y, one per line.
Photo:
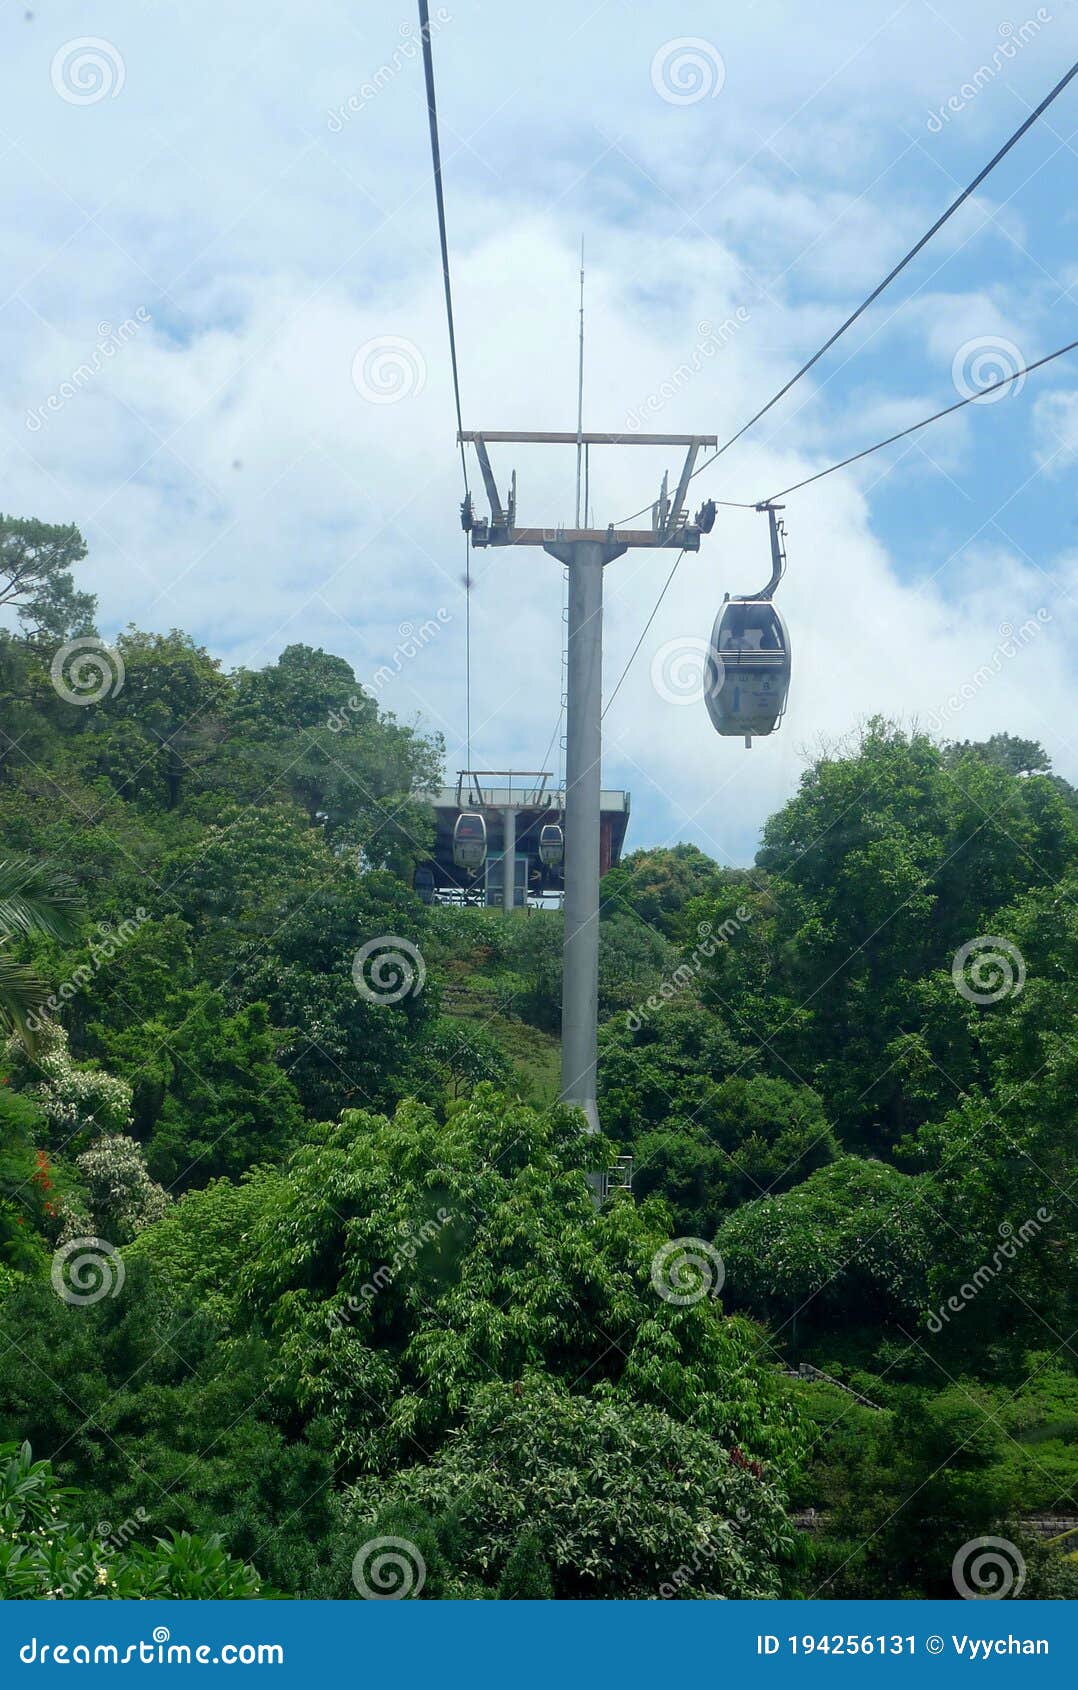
column 121, row 1198
column 73, row 1099
column 45, row 1556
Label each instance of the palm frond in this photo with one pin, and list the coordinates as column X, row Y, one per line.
column 22, row 995
column 36, row 897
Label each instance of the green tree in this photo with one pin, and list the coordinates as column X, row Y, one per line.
column 938, row 1485
column 632, row 962
column 749, row 1138
column 1000, row 1162
column 882, row 867
column 118, row 1196
column 26, row 1194
column 35, row 897
column 659, row 1069
column 527, row 1576
column 36, row 559
column 465, row 1055
column 404, row 1263
column 43, row 1556
column 303, row 730
column 656, row 885
column 278, row 917
column 79, row 1103
column 155, row 736
column 210, row 1097
column 626, row 1501
column 157, row 1412
column 1018, row 756
column 854, row 1239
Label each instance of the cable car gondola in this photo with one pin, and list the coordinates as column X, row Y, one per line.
column 748, row 667
column 551, row 845
column 470, row 841
column 423, row 883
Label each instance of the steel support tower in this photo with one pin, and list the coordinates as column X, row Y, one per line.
column 585, row 552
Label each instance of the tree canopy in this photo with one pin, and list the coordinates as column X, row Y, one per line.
column 288, row 1269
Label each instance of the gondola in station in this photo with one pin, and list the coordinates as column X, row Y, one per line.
column 470, row 842
column 552, row 846
column 492, row 818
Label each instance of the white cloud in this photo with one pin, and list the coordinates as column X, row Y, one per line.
column 1056, row 421
column 232, row 480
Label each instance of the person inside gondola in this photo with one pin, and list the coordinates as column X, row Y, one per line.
column 737, row 634
column 733, row 628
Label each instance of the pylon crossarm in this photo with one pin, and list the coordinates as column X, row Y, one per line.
column 526, row 437
column 623, row 539
column 670, row 525
column 676, row 517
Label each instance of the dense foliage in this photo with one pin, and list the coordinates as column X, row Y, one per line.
column 289, row 1271
column 43, row 1556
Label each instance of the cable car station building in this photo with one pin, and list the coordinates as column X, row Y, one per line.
column 523, row 819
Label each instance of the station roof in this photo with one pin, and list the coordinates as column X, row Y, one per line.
column 534, row 801
column 521, row 797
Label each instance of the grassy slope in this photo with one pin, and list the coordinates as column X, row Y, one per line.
column 476, row 988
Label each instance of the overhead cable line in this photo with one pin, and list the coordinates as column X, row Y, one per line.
column 854, row 458
column 728, row 504
column 971, row 188
column 643, row 636
column 436, row 161
column 468, row 645
column 553, row 737
column 914, row 427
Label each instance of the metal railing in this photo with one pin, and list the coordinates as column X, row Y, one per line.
column 617, row 1178
column 527, row 789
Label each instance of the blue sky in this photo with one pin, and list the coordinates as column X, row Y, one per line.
column 223, row 218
